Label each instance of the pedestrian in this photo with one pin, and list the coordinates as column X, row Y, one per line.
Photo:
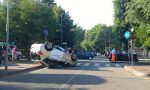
column 14, row 54
column 113, row 56
column 1, row 57
column 3, row 52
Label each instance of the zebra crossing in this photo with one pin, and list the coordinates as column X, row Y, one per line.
column 99, row 64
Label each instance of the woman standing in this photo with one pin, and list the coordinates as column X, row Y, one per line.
column 14, row 55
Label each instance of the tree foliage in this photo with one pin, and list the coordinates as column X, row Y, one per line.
column 138, row 13
column 98, row 37
column 79, row 36
column 133, row 14
column 29, row 19
column 120, row 24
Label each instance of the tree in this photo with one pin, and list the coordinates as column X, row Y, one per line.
column 97, row 38
column 79, row 36
column 2, row 23
column 120, row 24
column 138, row 13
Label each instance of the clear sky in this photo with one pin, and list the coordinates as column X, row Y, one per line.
column 87, row 13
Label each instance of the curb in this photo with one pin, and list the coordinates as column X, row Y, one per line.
column 20, row 71
column 137, row 73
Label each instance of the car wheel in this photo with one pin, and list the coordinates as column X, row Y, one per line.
column 73, row 57
column 90, row 58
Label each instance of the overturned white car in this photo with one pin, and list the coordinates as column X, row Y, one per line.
column 52, row 56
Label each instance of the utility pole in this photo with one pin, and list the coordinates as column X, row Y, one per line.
column 7, row 36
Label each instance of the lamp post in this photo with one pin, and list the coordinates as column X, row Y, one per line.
column 7, row 36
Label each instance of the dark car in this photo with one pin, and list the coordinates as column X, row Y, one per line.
column 84, row 55
column 122, row 55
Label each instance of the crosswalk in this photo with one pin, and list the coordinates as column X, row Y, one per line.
column 99, row 64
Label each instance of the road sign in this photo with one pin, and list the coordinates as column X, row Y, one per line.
column 127, row 34
column 46, row 33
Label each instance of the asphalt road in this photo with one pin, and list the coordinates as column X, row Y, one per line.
column 96, row 74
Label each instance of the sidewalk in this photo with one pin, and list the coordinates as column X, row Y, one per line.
column 19, row 67
column 142, row 71
column 142, row 68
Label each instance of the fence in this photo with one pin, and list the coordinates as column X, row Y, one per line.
column 141, row 53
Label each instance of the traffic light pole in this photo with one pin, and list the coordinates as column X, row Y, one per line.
column 131, row 54
column 128, row 49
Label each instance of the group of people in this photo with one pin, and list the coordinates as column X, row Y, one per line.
column 12, row 53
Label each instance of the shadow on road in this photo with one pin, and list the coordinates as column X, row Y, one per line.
column 56, row 79
column 35, row 88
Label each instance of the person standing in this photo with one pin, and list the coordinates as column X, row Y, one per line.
column 1, row 57
column 14, row 54
column 114, row 55
column 3, row 53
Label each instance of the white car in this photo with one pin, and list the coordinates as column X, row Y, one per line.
column 52, row 56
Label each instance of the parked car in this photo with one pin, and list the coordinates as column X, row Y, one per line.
column 84, row 55
column 122, row 55
column 52, row 56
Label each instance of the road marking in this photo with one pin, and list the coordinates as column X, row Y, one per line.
column 70, row 80
column 78, row 64
column 107, row 65
column 97, row 64
column 86, row 64
column 117, row 65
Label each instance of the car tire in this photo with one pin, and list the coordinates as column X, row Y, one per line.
column 48, row 49
column 90, row 58
column 73, row 57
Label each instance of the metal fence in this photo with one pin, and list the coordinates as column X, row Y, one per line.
column 141, row 53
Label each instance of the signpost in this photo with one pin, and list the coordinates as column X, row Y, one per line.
column 46, row 34
column 127, row 35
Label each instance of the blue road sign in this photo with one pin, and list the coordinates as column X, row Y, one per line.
column 127, row 34
column 46, row 33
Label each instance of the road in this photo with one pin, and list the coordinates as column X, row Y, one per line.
column 96, row 74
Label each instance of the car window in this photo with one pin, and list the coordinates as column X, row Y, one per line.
column 59, row 48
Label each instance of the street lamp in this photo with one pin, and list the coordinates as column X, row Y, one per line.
column 7, row 36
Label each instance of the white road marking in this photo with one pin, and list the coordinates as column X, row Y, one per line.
column 97, row 64
column 107, row 65
column 117, row 65
column 78, row 64
column 70, row 80
column 86, row 64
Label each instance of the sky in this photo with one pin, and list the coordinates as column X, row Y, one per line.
column 88, row 13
